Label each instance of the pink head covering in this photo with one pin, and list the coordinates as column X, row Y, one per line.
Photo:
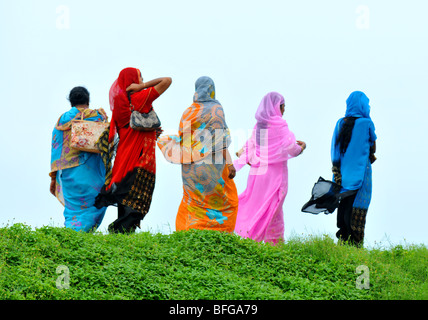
column 269, row 110
column 271, row 141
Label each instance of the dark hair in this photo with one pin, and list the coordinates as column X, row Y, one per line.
column 345, row 134
column 78, row 95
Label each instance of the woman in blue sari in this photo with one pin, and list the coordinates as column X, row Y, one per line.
column 77, row 176
column 352, row 154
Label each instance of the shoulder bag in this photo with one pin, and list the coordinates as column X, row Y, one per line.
column 143, row 121
column 85, row 134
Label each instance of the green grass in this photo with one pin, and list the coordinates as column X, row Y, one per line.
column 201, row 265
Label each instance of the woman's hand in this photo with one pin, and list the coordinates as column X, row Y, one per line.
column 53, row 186
column 372, row 152
column 301, row 144
column 232, row 171
column 135, row 87
column 158, row 132
column 238, row 154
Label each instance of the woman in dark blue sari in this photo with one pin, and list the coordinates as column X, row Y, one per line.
column 352, row 155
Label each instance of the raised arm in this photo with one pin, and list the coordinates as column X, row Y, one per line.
column 160, row 84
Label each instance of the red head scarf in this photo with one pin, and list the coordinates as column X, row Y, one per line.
column 119, row 98
column 118, row 94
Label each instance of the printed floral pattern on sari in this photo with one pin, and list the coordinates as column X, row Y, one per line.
column 63, row 156
column 210, row 198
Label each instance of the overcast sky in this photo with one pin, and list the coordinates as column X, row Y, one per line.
column 315, row 53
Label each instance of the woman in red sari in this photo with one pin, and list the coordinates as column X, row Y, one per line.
column 131, row 181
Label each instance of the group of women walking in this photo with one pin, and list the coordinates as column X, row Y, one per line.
column 124, row 173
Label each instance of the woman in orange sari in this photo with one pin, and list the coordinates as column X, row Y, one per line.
column 210, row 198
column 131, row 181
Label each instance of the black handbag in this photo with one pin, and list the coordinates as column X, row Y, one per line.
column 143, row 121
column 326, row 197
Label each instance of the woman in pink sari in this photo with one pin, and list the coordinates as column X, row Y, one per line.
column 272, row 144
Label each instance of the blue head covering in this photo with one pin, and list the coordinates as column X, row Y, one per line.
column 205, row 116
column 356, row 158
column 205, row 90
column 357, row 105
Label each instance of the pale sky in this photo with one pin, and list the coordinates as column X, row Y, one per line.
column 313, row 52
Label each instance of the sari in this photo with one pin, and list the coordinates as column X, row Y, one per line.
column 271, row 145
column 130, row 182
column 352, row 170
column 210, row 198
column 79, row 175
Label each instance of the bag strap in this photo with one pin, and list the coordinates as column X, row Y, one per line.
column 103, row 114
column 82, row 114
column 130, row 103
column 131, row 106
column 66, row 126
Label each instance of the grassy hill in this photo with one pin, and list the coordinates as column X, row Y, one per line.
column 201, row 265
